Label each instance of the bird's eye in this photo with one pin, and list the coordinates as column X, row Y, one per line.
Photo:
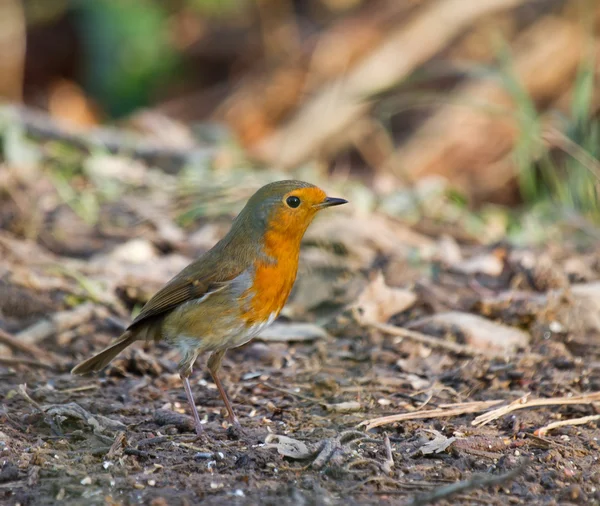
column 292, row 201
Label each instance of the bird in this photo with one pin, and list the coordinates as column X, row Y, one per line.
column 233, row 291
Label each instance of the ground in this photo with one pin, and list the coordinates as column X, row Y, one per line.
column 398, row 340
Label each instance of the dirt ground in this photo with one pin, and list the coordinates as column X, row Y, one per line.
column 488, row 325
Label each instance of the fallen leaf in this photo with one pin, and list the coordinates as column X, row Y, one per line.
column 285, row 332
column 99, row 423
column 378, row 302
column 438, row 444
column 478, row 332
column 449, row 252
column 287, row 446
column 487, row 263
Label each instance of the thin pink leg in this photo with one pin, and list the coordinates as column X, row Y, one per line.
column 214, row 362
column 190, row 398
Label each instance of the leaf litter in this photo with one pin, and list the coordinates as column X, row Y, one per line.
column 401, row 364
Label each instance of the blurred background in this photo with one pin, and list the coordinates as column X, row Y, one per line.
column 477, row 103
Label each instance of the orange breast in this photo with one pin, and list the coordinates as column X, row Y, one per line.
column 274, row 278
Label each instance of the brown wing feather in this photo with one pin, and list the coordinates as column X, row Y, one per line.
column 193, row 282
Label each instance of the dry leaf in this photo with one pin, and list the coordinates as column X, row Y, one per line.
column 286, row 332
column 478, row 332
column 378, row 302
column 487, row 263
column 438, row 444
column 287, row 446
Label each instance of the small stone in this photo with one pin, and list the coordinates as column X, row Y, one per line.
column 86, row 481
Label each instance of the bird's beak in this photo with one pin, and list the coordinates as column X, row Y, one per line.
column 330, row 202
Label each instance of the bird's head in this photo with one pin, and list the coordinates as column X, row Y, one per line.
column 287, row 207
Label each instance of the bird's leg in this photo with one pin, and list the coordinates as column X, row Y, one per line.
column 190, row 398
column 214, row 362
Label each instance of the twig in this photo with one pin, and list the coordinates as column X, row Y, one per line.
column 562, row 423
column 441, row 412
column 524, row 402
column 339, row 105
column 388, row 465
column 18, row 345
column 476, row 481
column 59, row 321
column 13, row 361
column 83, row 388
column 434, row 342
column 13, row 27
column 22, row 389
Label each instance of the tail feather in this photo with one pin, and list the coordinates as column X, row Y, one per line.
column 105, row 357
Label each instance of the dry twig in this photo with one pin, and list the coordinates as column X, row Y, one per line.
column 339, row 104
column 388, row 464
column 13, row 361
column 23, row 347
column 441, row 412
column 524, row 402
column 563, row 423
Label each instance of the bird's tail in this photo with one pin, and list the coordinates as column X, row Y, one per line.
column 105, row 357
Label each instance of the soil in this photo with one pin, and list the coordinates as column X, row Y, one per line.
column 125, row 436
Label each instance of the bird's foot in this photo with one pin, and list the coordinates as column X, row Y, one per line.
column 199, row 430
column 236, row 431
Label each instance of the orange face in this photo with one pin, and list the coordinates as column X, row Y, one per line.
column 294, row 213
column 296, row 210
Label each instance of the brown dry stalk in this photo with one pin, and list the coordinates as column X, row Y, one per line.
column 24, row 347
column 340, row 103
column 441, row 412
column 462, row 408
column 524, row 402
column 34, row 364
column 563, row 423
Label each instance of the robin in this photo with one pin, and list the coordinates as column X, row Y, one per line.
column 232, row 292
